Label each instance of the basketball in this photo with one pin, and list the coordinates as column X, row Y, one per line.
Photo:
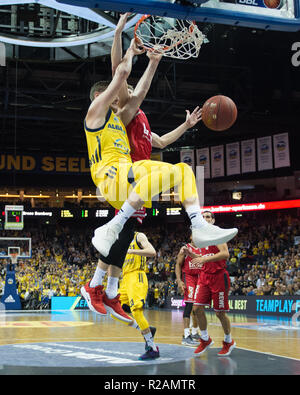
column 272, row 3
column 219, row 113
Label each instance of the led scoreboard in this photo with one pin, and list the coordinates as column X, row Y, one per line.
column 14, row 218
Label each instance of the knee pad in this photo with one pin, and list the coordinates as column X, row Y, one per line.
column 138, row 315
column 187, row 310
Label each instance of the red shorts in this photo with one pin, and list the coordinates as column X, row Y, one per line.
column 213, row 287
column 190, row 284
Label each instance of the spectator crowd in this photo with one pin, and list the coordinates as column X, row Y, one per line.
column 264, row 260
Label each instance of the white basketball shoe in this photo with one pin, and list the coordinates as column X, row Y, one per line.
column 208, row 235
column 105, row 236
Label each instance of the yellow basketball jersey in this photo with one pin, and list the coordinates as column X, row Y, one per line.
column 108, row 144
column 134, row 262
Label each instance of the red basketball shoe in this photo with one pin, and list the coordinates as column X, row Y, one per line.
column 114, row 307
column 94, row 298
column 227, row 348
column 203, row 346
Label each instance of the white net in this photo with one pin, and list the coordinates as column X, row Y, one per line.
column 14, row 258
column 173, row 38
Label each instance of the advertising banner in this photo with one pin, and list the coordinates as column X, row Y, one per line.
column 85, row 214
column 10, row 298
column 217, row 161
column 203, row 159
column 248, row 154
column 281, row 150
column 44, row 164
column 68, row 303
column 264, row 153
column 188, row 156
column 259, row 206
column 252, row 305
column 233, row 165
column 286, row 306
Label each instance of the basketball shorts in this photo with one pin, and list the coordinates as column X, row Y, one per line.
column 213, row 288
column 190, row 287
column 115, row 182
column 148, row 179
column 133, row 289
column 118, row 251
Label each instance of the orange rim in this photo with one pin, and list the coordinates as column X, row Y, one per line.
column 137, row 25
column 138, row 40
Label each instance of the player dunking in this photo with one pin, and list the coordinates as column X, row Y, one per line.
column 141, row 140
column 128, row 185
column 213, row 285
column 99, row 301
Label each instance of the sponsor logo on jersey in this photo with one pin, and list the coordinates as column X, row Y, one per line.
column 119, row 143
column 116, row 127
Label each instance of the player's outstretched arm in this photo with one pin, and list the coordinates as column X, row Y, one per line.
column 116, row 57
column 191, row 120
column 116, row 49
column 99, row 107
column 129, row 111
column 147, row 248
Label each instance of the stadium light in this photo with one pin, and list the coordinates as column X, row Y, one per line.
column 7, row 195
column 82, row 197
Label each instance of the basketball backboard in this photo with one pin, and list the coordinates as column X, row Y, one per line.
column 19, row 245
column 280, row 15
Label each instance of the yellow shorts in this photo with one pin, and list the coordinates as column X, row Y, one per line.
column 148, row 178
column 133, row 289
column 113, row 183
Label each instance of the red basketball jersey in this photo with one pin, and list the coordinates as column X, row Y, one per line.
column 212, row 267
column 188, row 267
column 140, row 137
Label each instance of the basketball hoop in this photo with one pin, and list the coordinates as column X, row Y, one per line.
column 13, row 257
column 174, row 38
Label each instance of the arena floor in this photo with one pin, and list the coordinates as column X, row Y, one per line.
column 82, row 343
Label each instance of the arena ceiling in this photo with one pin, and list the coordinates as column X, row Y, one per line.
column 44, row 90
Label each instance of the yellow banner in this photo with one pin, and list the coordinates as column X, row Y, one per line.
column 43, row 164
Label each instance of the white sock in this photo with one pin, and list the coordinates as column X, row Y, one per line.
column 112, row 287
column 204, row 335
column 227, row 338
column 186, row 332
column 125, row 212
column 98, row 277
column 135, row 325
column 195, row 216
column 149, row 340
column 195, row 330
